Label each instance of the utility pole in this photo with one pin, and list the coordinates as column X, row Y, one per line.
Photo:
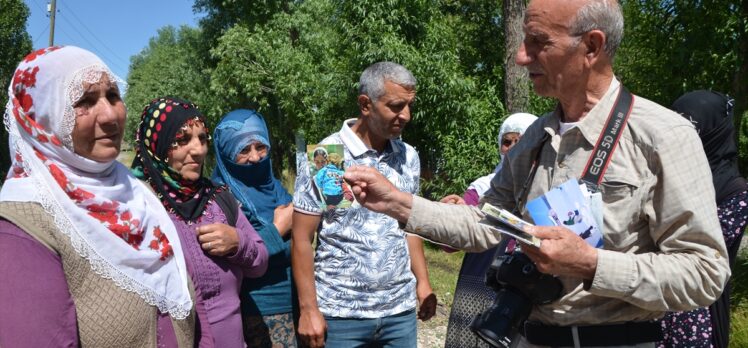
column 52, row 9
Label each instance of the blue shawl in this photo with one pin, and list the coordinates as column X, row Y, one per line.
column 254, row 185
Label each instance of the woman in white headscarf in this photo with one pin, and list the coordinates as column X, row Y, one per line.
column 509, row 133
column 471, row 294
column 88, row 254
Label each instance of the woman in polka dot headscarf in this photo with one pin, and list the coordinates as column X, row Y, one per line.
column 220, row 245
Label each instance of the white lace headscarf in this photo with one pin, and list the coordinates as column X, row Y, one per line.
column 111, row 218
column 515, row 123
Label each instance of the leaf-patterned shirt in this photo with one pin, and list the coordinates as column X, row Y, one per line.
column 362, row 265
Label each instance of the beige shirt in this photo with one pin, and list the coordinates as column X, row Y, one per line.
column 663, row 250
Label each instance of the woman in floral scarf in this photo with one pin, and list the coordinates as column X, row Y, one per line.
column 88, row 255
column 220, row 245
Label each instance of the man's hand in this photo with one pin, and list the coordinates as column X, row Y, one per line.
column 312, row 328
column 562, row 252
column 452, row 199
column 376, row 193
column 218, row 239
column 426, row 302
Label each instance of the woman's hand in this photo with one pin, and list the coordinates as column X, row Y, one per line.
column 218, row 239
column 282, row 219
column 453, row 199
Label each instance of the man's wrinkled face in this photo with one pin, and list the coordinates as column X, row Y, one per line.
column 552, row 55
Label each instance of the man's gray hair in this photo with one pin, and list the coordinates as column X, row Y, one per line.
column 372, row 79
column 603, row 15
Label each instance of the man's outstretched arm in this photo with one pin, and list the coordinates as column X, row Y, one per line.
column 453, row 225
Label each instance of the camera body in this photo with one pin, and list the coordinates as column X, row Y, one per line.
column 518, row 286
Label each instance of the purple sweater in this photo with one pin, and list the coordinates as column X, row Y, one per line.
column 218, row 279
column 38, row 310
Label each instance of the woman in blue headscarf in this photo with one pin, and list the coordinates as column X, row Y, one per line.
column 242, row 145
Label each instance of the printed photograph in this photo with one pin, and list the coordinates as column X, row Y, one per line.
column 507, row 223
column 326, row 168
column 566, row 206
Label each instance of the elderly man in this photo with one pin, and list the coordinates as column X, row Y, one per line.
column 662, row 245
column 367, row 271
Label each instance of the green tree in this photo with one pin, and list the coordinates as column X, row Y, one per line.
column 15, row 43
column 171, row 64
column 675, row 46
column 516, row 81
column 301, row 68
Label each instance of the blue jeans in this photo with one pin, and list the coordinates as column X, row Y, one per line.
column 397, row 330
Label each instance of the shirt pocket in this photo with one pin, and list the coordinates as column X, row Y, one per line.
column 622, row 206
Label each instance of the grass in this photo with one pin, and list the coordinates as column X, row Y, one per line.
column 443, row 271
column 739, row 303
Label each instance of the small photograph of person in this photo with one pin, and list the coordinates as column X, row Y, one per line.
column 329, row 181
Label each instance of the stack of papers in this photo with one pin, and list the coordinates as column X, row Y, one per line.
column 568, row 206
column 506, row 223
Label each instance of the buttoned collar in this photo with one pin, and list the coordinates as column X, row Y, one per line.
column 354, row 144
column 592, row 124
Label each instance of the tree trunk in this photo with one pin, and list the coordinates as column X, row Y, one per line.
column 740, row 85
column 516, row 81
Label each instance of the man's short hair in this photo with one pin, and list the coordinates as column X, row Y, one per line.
column 603, row 15
column 372, row 79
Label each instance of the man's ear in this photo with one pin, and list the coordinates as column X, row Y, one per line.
column 595, row 42
column 364, row 104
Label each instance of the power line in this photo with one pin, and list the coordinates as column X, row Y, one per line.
column 44, row 12
column 40, row 7
column 93, row 35
column 93, row 47
column 36, row 38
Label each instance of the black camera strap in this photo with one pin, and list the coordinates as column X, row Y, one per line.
column 601, row 153
column 608, row 140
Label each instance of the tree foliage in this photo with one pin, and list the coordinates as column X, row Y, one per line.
column 302, row 66
column 15, row 43
column 671, row 47
column 170, row 65
column 675, row 46
column 298, row 63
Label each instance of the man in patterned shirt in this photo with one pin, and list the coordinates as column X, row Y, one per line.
column 662, row 251
column 362, row 286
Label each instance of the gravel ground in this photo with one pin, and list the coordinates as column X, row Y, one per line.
column 431, row 334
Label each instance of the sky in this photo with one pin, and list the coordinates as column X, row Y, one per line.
column 114, row 30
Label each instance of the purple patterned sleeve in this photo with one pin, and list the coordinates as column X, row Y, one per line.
column 252, row 255
column 471, row 197
column 37, row 308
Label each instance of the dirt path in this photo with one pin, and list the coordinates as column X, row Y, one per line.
column 432, row 333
